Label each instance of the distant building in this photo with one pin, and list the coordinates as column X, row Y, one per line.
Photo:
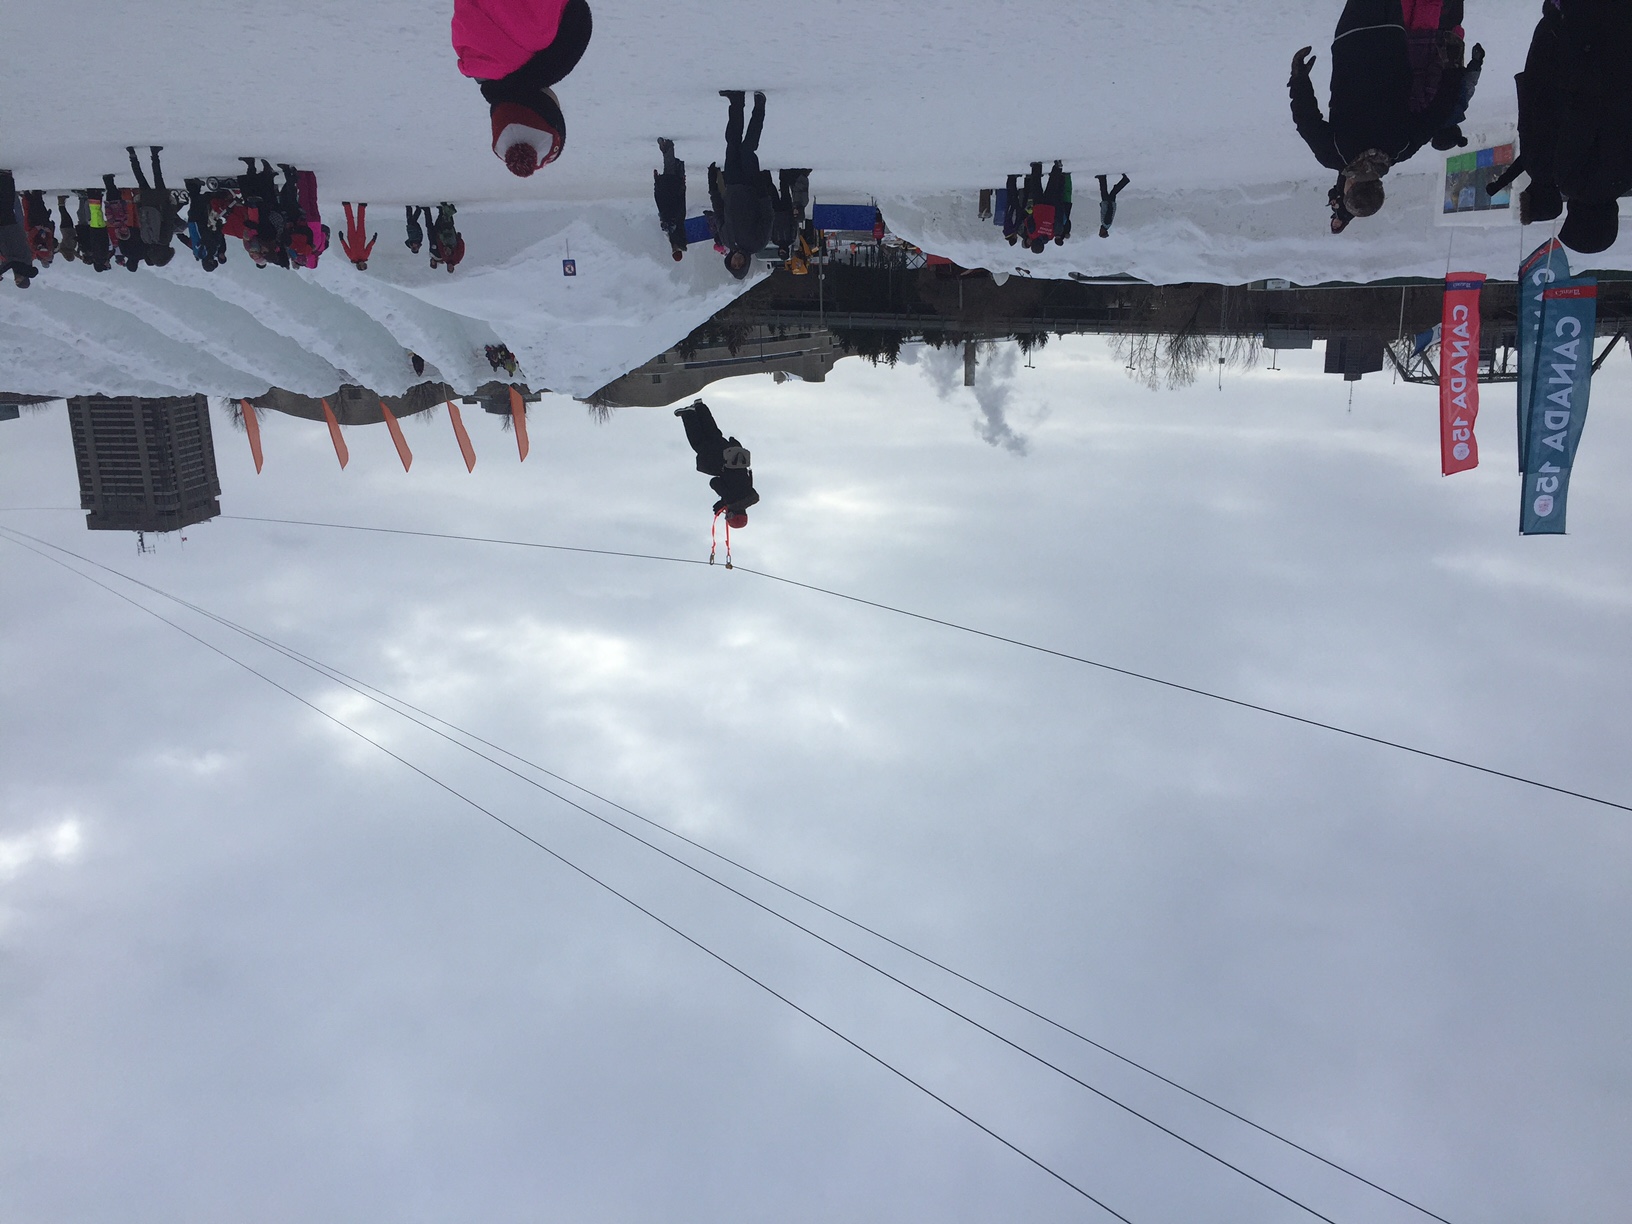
column 1353, row 356
column 144, row 464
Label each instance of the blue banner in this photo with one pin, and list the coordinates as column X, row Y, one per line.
column 1547, row 264
column 1561, row 383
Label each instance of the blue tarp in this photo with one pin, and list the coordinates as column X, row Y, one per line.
column 844, row 216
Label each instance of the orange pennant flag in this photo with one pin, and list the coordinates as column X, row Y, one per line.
column 252, row 426
column 340, row 450
column 465, row 448
column 518, row 417
column 403, row 453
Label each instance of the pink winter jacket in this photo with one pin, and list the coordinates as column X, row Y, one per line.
column 496, row 37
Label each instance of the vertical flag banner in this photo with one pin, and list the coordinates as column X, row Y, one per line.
column 1558, row 402
column 1459, row 373
column 1546, row 265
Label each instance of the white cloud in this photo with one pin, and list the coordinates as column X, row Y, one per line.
column 57, row 844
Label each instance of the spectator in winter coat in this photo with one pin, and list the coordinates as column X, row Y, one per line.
column 356, row 230
column 1372, row 125
column 1575, row 121
column 69, row 242
column 669, row 190
column 715, row 214
column 15, row 256
column 518, row 49
column 725, row 460
column 447, row 244
column 1107, row 203
column 91, row 231
column 42, row 232
column 749, row 192
column 788, row 209
column 1014, row 214
column 156, row 216
column 416, row 236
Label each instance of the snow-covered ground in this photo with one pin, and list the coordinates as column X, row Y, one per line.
column 884, row 98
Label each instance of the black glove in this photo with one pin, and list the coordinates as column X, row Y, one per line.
column 1477, row 59
column 1302, row 62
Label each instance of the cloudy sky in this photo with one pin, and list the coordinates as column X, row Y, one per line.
column 252, row 968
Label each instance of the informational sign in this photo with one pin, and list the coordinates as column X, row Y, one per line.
column 1562, row 376
column 1459, row 373
column 1547, row 265
column 1466, row 177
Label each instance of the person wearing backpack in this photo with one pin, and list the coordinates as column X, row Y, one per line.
column 725, row 460
column 156, row 217
column 1375, row 121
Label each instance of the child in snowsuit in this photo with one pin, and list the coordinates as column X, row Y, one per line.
column 669, row 191
column 1107, row 203
column 725, row 460
column 356, row 230
column 518, row 49
column 416, row 236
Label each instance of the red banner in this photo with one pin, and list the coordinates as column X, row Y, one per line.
column 1459, row 373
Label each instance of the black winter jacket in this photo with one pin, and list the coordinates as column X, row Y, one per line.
column 1575, row 105
column 1371, row 100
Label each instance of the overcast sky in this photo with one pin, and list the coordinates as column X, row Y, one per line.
column 250, row 968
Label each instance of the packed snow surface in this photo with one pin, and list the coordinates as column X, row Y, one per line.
column 1190, row 101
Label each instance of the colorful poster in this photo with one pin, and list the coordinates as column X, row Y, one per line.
column 1558, row 403
column 1547, row 263
column 1459, row 373
column 1467, row 174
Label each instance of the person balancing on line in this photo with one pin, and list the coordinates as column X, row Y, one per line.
column 1377, row 117
column 725, row 460
column 518, row 49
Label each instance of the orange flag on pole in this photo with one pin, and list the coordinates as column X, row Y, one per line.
column 252, row 426
column 465, row 448
column 340, row 451
column 518, row 417
column 403, row 453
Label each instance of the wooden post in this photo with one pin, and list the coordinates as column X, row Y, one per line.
column 465, row 448
column 518, row 418
column 403, row 453
column 252, row 426
column 340, row 451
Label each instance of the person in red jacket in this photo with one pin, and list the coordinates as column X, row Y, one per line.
column 518, row 49
column 356, row 230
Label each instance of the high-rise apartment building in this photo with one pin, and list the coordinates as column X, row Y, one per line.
column 144, row 464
